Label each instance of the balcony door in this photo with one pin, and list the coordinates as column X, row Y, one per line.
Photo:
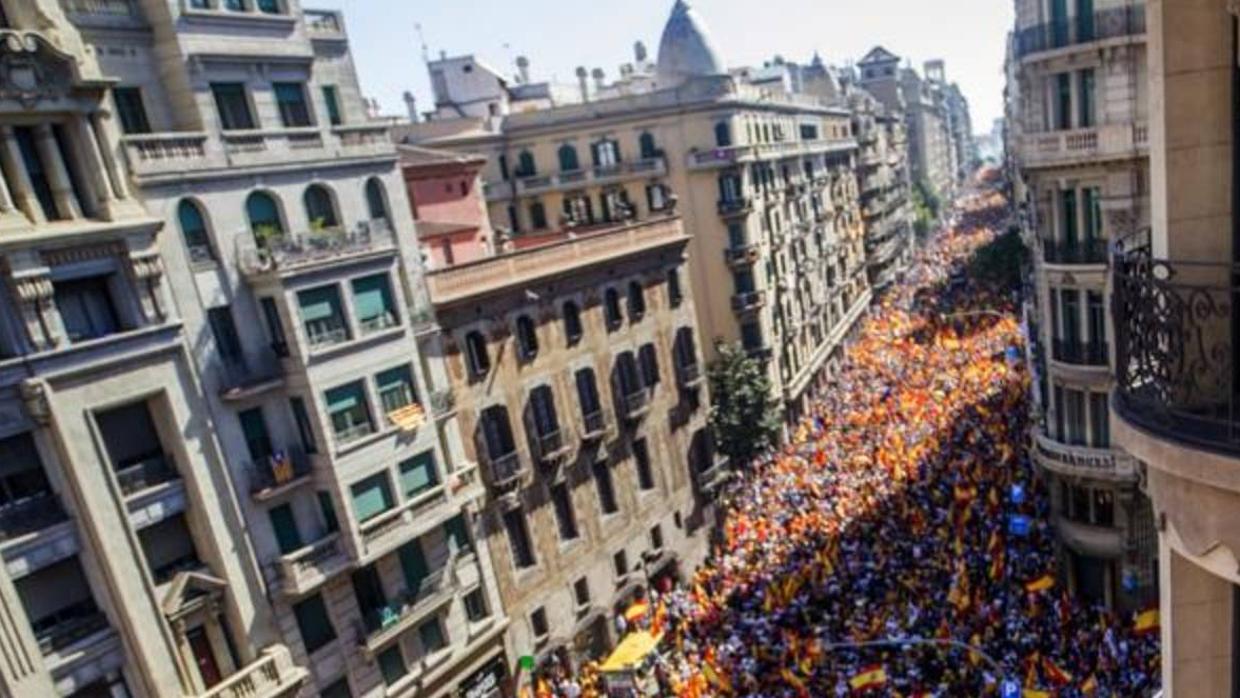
column 204, row 656
column 1059, row 23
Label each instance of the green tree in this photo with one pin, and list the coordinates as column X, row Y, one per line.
column 744, row 417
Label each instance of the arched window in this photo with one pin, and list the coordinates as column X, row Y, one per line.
column 646, row 144
column 568, row 159
column 320, row 208
column 723, row 134
column 376, row 202
column 264, row 216
column 572, row 323
column 527, row 338
column 194, row 231
column 476, row 353
column 637, row 301
column 611, row 309
column 525, row 164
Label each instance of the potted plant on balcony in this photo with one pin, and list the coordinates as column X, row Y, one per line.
column 265, row 234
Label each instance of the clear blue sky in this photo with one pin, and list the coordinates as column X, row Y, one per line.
column 559, row 35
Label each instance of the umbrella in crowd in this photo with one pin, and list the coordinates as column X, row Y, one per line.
column 898, row 545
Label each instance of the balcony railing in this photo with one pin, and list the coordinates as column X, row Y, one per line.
column 550, row 443
column 637, row 403
column 282, row 252
column 281, row 468
column 593, row 424
column 152, row 471
column 749, row 300
column 1175, row 343
column 324, row 24
column 1090, row 251
column 504, row 469
column 737, row 206
column 741, row 254
column 246, row 374
column 388, row 621
column 1080, row 353
column 301, row 569
column 1065, row 147
column 31, row 514
column 1084, row 460
column 271, row 674
column 68, row 626
column 690, row 374
column 1112, row 23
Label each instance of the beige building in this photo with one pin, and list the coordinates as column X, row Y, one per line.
column 124, row 571
column 765, row 180
column 1079, row 141
column 1175, row 321
column 296, row 273
column 580, row 387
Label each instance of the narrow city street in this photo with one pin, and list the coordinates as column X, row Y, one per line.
column 901, row 546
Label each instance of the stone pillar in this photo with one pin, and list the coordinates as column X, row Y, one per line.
column 15, row 168
column 35, row 297
column 1196, row 628
column 101, row 125
column 148, row 274
column 22, row 673
column 92, row 167
column 57, row 172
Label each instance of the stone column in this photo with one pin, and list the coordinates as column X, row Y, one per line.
column 57, row 173
column 35, row 297
column 93, row 167
column 15, row 168
column 101, row 124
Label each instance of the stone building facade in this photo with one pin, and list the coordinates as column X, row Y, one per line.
column 1078, row 137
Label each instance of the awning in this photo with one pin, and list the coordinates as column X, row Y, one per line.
column 632, row 651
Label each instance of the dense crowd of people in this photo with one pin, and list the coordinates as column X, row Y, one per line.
column 899, row 545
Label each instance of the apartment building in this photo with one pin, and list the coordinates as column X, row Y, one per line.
column 1174, row 316
column 1078, row 136
column 122, row 572
column 297, row 273
column 765, row 181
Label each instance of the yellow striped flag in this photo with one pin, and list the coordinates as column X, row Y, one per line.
column 870, row 677
column 1034, row 693
column 1040, row 584
column 1147, row 622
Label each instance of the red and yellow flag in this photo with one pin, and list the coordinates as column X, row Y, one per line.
column 1055, row 673
column 872, row 676
column 1147, row 622
column 1090, row 686
column 1040, row 584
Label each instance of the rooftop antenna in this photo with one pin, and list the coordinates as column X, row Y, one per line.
column 426, row 57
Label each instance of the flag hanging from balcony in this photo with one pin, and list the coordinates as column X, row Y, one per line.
column 281, row 467
column 409, row 417
column 1147, row 622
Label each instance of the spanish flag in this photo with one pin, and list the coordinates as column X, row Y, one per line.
column 715, row 678
column 1040, row 584
column 872, row 676
column 1054, row 673
column 1090, row 686
column 794, row 681
column 1147, row 622
column 1034, row 693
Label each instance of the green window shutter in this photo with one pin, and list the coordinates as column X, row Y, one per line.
column 317, row 303
column 371, row 297
column 395, row 388
column 285, row 526
column 344, row 398
column 371, row 497
column 413, row 563
column 312, row 621
column 418, row 474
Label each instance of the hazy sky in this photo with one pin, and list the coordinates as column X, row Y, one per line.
column 559, row 35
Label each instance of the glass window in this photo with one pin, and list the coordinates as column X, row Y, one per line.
column 224, row 331
column 194, row 232
column 320, row 209
column 1104, row 508
column 476, row 606
column 649, row 365
column 330, row 524
column 414, row 566
column 130, row 109
column 372, row 303
column 641, row 460
column 456, row 531
column 264, row 217
column 284, row 524
column 587, row 393
column 572, row 323
column 371, row 497
column 723, row 134
column 322, row 316
column 1087, row 88
column 476, row 353
column 611, row 308
column 527, row 338
column 376, row 202
column 538, row 216
column 291, row 100
column 1100, row 420
column 620, row 563
column 418, row 474
column 518, row 539
column 606, row 489
column 233, row 106
column 647, row 146
column 581, row 592
column 333, row 105
column 349, row 412
column 565, row 518
column 313, row 623
column 525, row 164
column 637, row 301
column 392, row 664
column 538, row 622
column 21, row 470
column 35, row 172
column 568, row 158
column 431, row 635
column 85, row 307
column 395, row 387
column 674, row 294
column 337, row 689
column 606, row 153
column 254, row 428
column 304, row 429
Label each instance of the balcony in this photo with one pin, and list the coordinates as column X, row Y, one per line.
column 593, row 425
column 1078, row 146
column 245, row 377
column 742, row 255
column 116, row 13
column 749, row 301
column 552, row 445
column 735, row 207
column 69, row 626
column 304, row 569
column 279, row 472
column 154, row 470
column 727, row 156
column 1089, row 251
column 272, row 674
column 517, row 270
column 1175, row 362
column 382, row 625
column 1103, row 25
column 689, row 374
column 30, row 514
column 324, row 25
column 290, row 253
column 1080, row 353
column 574, row 179
column 636, row 404
column 1083, row 461
column 505, row 469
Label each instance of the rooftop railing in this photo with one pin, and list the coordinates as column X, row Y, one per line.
column 1111, row 23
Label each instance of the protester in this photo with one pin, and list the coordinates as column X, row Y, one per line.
column 886, row 518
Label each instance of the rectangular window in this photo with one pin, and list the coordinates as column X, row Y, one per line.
column 456, row 531
column 35, row 172
column 349, row 412
column 304, row 429
column 743, row 281
column 1086, row 87
column 371, row 497
column 130, row 109
column 1104, row 508
column 233, row 105
column 333, row 105
column 1060, row 433
column 86, row 308
column 641, row 459
column 565, row 519
column 581, row 592
column 224, row 331
column 284, row 524
column 22, row 478
column 656, row 537
column 431, row 635
column 168, row 548
column 476, row 606
column 337, row 689
column 328, row 510
column 395, row 387
column 1071, row 312
column 291, row 100
column 606, row 489
column 392, row 665
column 415, row 568
column 1100, row 420
column 1069, row 233
column 538, row 623
column 134, row 447
column 1097, row 319
column 314, row 624
column 1092, row 209
column 620, row 563
column 322, row 316
column 372, row 303
column 1075, row 403
column 418, row 474
column 518, row 539
column 1063, row 101
column 275, row 328
column 751, row 336
column 257, row 440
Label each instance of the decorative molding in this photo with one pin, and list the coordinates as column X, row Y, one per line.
column 32, row 69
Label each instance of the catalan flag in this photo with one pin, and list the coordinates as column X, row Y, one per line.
column 794, row 681
column 1055, row 673
column 1147, row 622
column 1034, row 693
column 1040, row 584
column 1090, row 686
column 872, row 676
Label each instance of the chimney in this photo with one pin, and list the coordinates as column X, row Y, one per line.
column 600, row 79
column 583, row 83
column 639, row 52
column 411, row 106
column 523, row 69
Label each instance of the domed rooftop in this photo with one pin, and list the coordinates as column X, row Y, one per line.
column 686, row 50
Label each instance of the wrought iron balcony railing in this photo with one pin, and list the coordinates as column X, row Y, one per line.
column 1110, row 23
column 1089, row 251
column 1080, row 353
column 1176, row 334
